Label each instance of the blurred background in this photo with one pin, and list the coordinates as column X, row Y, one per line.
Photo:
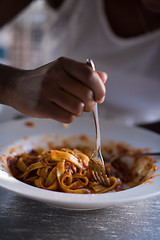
column 20, row 44
column 20, row 40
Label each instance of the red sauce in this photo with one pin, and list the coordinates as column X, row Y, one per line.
column 30, row 124
column 158, row 175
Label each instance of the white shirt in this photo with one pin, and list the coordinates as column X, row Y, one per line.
column 80, row 30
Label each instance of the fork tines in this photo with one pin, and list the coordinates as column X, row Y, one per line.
column 98, row 172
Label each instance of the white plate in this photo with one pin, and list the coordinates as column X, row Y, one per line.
column 14, row 133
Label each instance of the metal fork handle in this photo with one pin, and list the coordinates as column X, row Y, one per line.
column 95, row 113
column 96, row 119
column 97, row 126
column 142, row 154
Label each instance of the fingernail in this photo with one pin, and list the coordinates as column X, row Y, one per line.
column 101, row 100
column 105, row 75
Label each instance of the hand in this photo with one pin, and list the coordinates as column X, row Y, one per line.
column 59, row 90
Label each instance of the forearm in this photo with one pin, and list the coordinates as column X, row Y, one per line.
column 9, row 9
column 8, row 80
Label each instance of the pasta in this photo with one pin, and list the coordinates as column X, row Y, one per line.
column 57, row 170
column 66, row 170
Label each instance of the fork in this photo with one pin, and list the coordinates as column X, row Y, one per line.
column 96, row 166
column 142, row 154
column 136, row 154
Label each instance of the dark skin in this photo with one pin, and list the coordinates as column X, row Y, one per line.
column 134, row 17
column 60, row 90
column 57, row 85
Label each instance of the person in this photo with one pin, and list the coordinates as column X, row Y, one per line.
column 61, row 89
column 123, row 39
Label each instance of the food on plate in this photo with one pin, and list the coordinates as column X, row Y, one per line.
column 67, row 169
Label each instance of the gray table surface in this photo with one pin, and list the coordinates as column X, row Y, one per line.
column 22, row 218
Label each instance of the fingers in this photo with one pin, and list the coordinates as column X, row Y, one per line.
column 46, row 109
column 84, row 73
column 65, row 88
column 68, row 102
column 103, row 76
column 69, row 93
column 78, row 93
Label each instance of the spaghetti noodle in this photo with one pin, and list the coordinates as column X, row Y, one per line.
column 67, row 170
